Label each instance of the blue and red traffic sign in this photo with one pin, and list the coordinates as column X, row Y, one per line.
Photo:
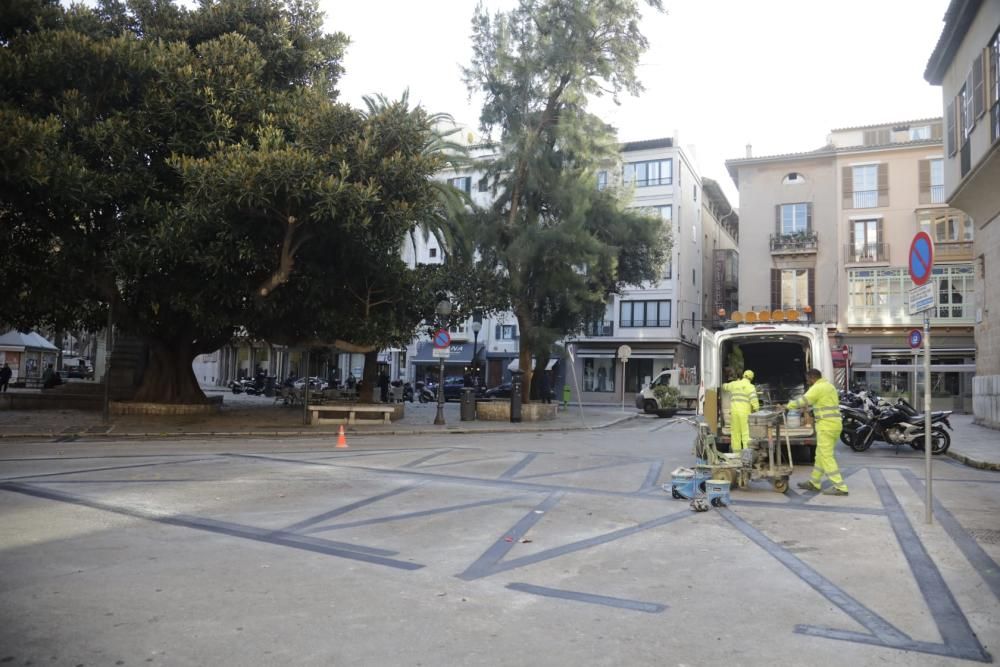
column 921, row 258
column 916, row 338
column 442, row 338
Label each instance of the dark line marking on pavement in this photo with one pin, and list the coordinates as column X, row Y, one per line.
column 350, row 507
column 485, row 564
column 804, row 506
column 880, row 628
column 86, row 470
column 962, row 481
column 977, row 557
column 603, row 466
column 422, row 459
column 498, row 457
column 350, row 551
column 649, row 484
column 91, row 458
column 414, row 515
column 951, row 622
column 510, row 472
column 575, row 596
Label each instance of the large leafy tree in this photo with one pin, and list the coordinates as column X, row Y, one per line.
column 562, row 246
column 193, row 170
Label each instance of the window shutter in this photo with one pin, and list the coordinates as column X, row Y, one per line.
column 515, row 332
column 777, row 219
column 848, row 178
column 978, row 99
column 936, row 131
column 949, row 114
column 809, row 217
column 991, row 76
column 776, row 289
column 883, row 184
column 850, row 232
column 811, row 278
column 878, row 236
column 497, row 333
column 924, row 180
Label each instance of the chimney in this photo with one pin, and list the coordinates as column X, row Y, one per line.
column 749, row 150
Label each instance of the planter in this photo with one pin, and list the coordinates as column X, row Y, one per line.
column 499, row 411
column 213, row 406
column 666, row 412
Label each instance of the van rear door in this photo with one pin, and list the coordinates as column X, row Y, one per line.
column 710, row 374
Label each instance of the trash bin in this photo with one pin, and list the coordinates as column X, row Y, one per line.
column 566, row 395
column 468, row 404
column 515, row 397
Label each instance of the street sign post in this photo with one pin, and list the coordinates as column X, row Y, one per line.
column 921, row 298
column 624, row 352
column 441, row 352
column 921, row 270
column 442, row 338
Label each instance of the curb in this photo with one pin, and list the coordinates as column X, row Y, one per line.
column 973, row 463
column 300, row 434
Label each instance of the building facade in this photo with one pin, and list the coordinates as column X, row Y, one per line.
column 829, row 232
column 966, row 64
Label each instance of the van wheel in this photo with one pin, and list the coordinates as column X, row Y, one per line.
column 650, row 406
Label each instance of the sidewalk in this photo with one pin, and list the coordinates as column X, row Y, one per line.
column 260, row 416
column 974, row 445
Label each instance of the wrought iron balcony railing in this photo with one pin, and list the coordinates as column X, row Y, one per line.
column 799, row 242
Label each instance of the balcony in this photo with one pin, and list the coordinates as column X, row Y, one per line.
column 937, row 194
column 953, row 251
column 867, row 253
column 865, row 198
column 799, row 243
column 599, row 329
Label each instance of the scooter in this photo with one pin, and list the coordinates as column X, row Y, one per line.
column 426, row 392
column 893, row 425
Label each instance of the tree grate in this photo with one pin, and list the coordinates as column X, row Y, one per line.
column 986, row 535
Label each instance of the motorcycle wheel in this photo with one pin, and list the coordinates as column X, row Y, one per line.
column 423, row 399
column 236, row 390
column 940, row 441
column 861, row 443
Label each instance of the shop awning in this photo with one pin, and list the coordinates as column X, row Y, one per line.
column 16, row 340
column 460, row 353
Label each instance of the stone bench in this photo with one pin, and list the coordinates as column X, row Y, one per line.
column 317, row 416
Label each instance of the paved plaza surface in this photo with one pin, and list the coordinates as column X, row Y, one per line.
column 518, row 548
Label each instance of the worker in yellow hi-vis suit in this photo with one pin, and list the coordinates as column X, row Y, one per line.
column 743, row 401
column 824, row 400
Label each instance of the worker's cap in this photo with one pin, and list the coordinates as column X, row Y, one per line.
column 748, row 375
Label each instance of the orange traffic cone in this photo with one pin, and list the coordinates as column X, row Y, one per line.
column 341, row 439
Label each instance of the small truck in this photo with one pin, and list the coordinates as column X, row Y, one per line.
column 685, row 380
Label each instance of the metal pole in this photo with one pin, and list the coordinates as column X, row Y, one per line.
column 624, row 365
column 439, row 417
column 108, row 343
column 929, row 500
column 576, row 383
column 305, row 393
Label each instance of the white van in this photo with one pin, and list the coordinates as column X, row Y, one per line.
column 779, row 354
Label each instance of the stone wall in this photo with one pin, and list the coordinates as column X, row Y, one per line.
column 499, row 411
column 131, row 408
column 986, row 400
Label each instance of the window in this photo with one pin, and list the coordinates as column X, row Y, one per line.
column 665, row 212
column 793, row 288
column 937, row 181
column 599, row 375
column 920, row 133
column 695, row 190
column 506, row 332
column 646, row 174
column 966, row 120
column 866, row 186
column 866, row 241
column 793, row 218
column 484, row 184
column 947, row 226
column 645, row 314
column 432, row 252
column 881, row 296
column 602, row 180
column 668, row 270
column 463, row 183
column 993, row 85
column 694, row 280
column 793, row 178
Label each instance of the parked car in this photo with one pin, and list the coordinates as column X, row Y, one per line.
column 315, row 384
column 453, row 386
column 499, row 391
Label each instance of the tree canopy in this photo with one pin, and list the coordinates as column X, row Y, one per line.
column 562, row 246
column 192, row 169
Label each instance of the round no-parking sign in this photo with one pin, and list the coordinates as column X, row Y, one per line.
column 916, row 338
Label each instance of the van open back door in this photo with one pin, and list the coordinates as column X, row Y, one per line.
column 710, row 371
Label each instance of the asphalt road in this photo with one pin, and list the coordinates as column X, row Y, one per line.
column 553, row 548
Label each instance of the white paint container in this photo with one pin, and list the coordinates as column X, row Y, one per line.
column 793, row 419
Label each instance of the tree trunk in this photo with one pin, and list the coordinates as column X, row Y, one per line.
column 524, row 353
column 169, row 377
column 369, row 382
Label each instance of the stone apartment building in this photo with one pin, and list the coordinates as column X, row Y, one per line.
column 966, row 64
column 829, row 231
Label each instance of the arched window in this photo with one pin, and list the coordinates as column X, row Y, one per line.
column 794, row 178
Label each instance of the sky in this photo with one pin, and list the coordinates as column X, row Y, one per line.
column 718, row 74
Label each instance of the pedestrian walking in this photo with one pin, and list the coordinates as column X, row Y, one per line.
column 824, row 400
column 743, row 401
column 5, row 374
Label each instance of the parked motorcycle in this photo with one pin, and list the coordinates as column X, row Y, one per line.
column 856, row 409
column 426, row 392
column 895, row 425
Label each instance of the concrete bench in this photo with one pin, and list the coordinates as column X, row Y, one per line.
column 317, row 413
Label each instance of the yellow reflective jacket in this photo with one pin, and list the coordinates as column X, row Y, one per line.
column 744, row 394
column 825, row 403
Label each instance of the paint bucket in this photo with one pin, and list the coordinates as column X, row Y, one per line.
column 793, row 419
column 717, row 491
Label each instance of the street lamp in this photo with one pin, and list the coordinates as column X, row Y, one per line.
column 476, row 328
column 443, row 310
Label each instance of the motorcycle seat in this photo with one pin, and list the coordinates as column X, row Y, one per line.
column 937, row 415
